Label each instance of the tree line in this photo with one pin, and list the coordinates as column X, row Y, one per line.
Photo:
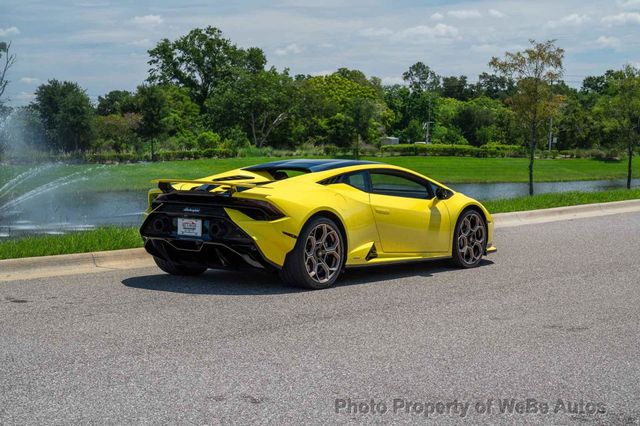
column 203, row 92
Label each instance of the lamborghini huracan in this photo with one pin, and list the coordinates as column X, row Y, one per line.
column 308, row 220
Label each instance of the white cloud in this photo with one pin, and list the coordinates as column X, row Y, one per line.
column 144, row 42
column 607, row 41
column 416, row 32
column 376, row 32
column 573, row 20
column 29, row 80
column 419, row 32
column 391, row 80
column 485, row 48
column 622, row 18
column 9, row 31
column 437, row 16
column 496, row 13
column 322, row 72
column 465, row 14
column 148, row 20
column 628, row 4
column 289, row 49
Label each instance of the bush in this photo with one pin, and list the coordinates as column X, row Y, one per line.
column 500, row 150
column 595, row 153
column 110, row 157
column 549, row 154
column 330, row 150
column 194, row 154
column 455, row 150
column 208, row 140
column 253, row 151
column 180, row 142
column 216, row 153
column 235, row 139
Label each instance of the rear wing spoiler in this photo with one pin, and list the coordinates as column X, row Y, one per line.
column 166, row 185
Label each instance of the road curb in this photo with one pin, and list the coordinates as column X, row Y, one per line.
column 81, row 263
column 71, row 264
column 506, row 220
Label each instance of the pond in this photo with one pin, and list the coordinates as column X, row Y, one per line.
column 494, row 191
column 59, row 210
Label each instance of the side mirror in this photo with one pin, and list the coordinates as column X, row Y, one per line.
column 443, row 194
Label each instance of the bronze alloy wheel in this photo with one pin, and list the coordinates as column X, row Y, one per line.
column 322, row 256
column 471, row 239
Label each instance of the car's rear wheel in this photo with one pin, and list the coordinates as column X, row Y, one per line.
column 177, row 269
column 469, row 239
column 318, row 256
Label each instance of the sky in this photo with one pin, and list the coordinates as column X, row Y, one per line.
column 103, row 44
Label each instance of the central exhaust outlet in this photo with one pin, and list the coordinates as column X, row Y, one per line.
column 217, row 229
column 161, row 224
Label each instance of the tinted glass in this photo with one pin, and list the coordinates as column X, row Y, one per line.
column 357, row 180
column 397, row 186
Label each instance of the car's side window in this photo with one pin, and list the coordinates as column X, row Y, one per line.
column 396, row 185
column 357, row 180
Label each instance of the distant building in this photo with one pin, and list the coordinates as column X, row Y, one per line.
column 390, row 140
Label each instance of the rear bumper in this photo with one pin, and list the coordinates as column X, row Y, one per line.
column 217, row 255
column 222, row 245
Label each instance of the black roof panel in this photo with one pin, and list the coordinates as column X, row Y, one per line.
column 315, row 165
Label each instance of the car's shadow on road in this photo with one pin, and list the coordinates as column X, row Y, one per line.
column 258, row 283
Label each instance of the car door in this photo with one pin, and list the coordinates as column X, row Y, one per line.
column 409, row 218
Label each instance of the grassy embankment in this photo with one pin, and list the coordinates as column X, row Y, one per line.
column 136, row 176
column 113, row 238
column 100, row 239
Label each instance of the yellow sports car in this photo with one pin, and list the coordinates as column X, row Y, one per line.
column 311, row 219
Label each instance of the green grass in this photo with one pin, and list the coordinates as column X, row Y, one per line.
column 545, row 201
column 113, row 238
column 100, row 239
column 137, row 176
column 488, row 170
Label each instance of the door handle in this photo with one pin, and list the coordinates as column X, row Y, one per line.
column 381, row 210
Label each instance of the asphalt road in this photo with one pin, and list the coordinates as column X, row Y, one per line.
column 555, row 314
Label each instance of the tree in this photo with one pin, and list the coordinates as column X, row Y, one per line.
column 421, row 79
column 118, row 132
column 534, row 70
column 340, row 130
column 153, row 109
column 621, row 108
column 9, row 60
column 116, row 102
column 324, row 106
column 456, row 87
column 495, row 86
column 259, row 102
column 363, row 113
column 397, row 99
column 201, row 61
column 66, row 113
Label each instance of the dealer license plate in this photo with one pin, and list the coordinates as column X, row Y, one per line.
column 190, row 227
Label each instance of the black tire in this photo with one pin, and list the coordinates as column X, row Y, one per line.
column 175, row 269
column 298, row 262
column 469, row 239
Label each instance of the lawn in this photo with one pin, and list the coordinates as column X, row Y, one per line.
column 100, row 239
column 446, row 169
column 545, row 201
column 113, row 238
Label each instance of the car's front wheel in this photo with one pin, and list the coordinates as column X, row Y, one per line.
column 177, row 269
column 469, row 239
column 317, row 258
